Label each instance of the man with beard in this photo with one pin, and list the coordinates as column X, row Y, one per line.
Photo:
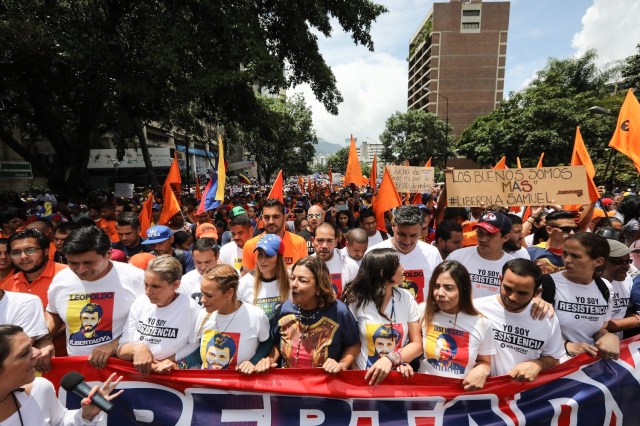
column 342, row 269
column 513, row 245
column 525, row 346
column 90, row 317
column 29, row 253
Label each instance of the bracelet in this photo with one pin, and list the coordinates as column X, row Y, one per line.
column 395, row 358
column 569, row 354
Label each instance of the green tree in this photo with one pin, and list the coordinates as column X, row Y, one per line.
column 286, row 138
column 415, row 136
column 543, row 118
column 338, row 162
column 631, row 70
column 71, row 71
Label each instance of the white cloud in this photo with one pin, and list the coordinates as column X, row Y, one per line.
column 610, row 27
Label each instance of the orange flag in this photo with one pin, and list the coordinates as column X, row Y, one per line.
column 518, row 162
column 170, row 205
column 146, row 215
column 277, row 188
column 330, row 178
column 354, row 171
column 428, row 162
column 301, row 184
column 626, row 138
column 315, row 186
column 198, row 191
column 309, row 186
column 580, row 157
column 386, row 199
column 173, row 178
column 501, row 165
column 374, row 174
column 417, row 199
column 527, row 211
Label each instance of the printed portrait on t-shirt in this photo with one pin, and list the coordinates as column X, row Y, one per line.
column 306, row 347
column 336, row 283
column 382, row 339
column 413, row 282
column 447, row 349
column 219, row 351
column 89, row 317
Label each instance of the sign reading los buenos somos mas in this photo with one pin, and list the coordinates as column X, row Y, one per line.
column 517, row 187
column 412, row 178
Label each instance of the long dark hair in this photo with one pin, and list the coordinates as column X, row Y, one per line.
column 461, row 276
column 7, row 331
column 377, row 269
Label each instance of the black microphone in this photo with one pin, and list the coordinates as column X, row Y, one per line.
column 74, row 382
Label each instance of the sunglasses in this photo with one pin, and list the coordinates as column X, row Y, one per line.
column 316, row 215
column 620, row 261
column 566, row 229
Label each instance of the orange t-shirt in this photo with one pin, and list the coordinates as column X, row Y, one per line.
column 109, row 226
column 4, row 282
column 295, row 247
column 40, row 285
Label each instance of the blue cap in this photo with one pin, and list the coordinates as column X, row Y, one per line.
column 271, row 244
column 157, row 234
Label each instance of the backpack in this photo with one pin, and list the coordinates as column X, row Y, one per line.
column 549, row 289
column 179, row 254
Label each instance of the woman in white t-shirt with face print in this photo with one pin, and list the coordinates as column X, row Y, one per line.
column 387, row 316
column 458, row 340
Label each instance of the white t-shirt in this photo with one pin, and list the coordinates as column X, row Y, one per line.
column 231, row 254
column 418, row 266
column 521, row 253
column 401, row 309
column 41, row 407
column 377, row 238
column 234, row 338
column 346, row 254
column 166, row 331
column 518, row 336
column 109, row 299
column 484, row 274
column 452, row 345
column 190, row 285
column 581, row 309
column 342, row 270
column 268, row 296
column 24, row 310
column 620, row 294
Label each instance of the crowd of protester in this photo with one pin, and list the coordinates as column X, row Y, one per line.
column 318, row 281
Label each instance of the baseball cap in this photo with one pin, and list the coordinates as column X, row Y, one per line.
column 238, row 210
column 141, row 260
column 607, row 201
column 618, row 249
column 600, row 213
column 157, row 234
column 494, row 222
column 118, row 256
column 271, row 244
column 206, row 228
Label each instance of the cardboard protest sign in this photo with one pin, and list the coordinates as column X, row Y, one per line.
column 517, row 187
column 412, row 178
column 123, row 190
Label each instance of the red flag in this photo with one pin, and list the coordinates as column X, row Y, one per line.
column 146, row 215
column 353, row 174
column 428, row 162
column 386, row 199
column 277, row 188
column 580, row 157
column 626, row 138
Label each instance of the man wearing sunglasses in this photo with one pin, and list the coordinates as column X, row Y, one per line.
column 616, row 271
column 548, row 255
column 315, row 216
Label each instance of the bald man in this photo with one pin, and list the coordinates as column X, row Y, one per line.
column 315, row 216
column 357, row 243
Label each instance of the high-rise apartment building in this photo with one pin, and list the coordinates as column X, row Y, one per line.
column 457, row 61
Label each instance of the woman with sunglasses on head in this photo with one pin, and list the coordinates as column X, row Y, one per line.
column 29, row 400
column 387, row 317
column 582, row 300
column 458, row 339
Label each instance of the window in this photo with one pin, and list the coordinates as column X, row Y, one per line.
column 470, row 25
column 471, row 12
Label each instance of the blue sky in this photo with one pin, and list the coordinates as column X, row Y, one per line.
column 374, row 84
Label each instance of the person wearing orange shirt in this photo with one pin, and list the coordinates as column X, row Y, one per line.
column 107, row 221
column 6, row 267
column 295, row 247
column 46, row 228
column 10, row 222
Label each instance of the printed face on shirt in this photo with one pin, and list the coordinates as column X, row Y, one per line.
column 128, row 235
column 445, row 293
column 384, row 346
column 324, row 242
column 405, row 237
column 516, row 291
column 578, row 265
column 218, row 358
column 204, row 260
column 89, row 266
column 240, row 234
column 89, row 321
column 444, row 351
column 490, row 245
column 273, row 219
column 28, row 262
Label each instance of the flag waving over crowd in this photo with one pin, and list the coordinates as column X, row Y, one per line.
column 580, row 157
column 387, row 199
column 626, row 138
column 354, row 171
column 170, row 203
column 278, row 188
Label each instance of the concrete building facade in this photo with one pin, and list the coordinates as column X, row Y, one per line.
column 457, row 61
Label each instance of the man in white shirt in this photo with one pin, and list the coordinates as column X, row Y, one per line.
column 205, row 256
column 231, row 253
column 525, row 346
column 356, row 246
column 341, row 268
column 616, row 271
column 484, row 261
column 418, row 258
column 513, row 245
column 92, row 279
column 368, row 223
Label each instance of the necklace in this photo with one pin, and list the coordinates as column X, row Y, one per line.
column 393, row 310
column 230, row 321
column 309, row 318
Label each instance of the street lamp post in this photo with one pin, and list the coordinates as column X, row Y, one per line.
column 446, row 129
column 604, row 111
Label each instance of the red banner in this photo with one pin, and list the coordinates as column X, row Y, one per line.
column 583, row 391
